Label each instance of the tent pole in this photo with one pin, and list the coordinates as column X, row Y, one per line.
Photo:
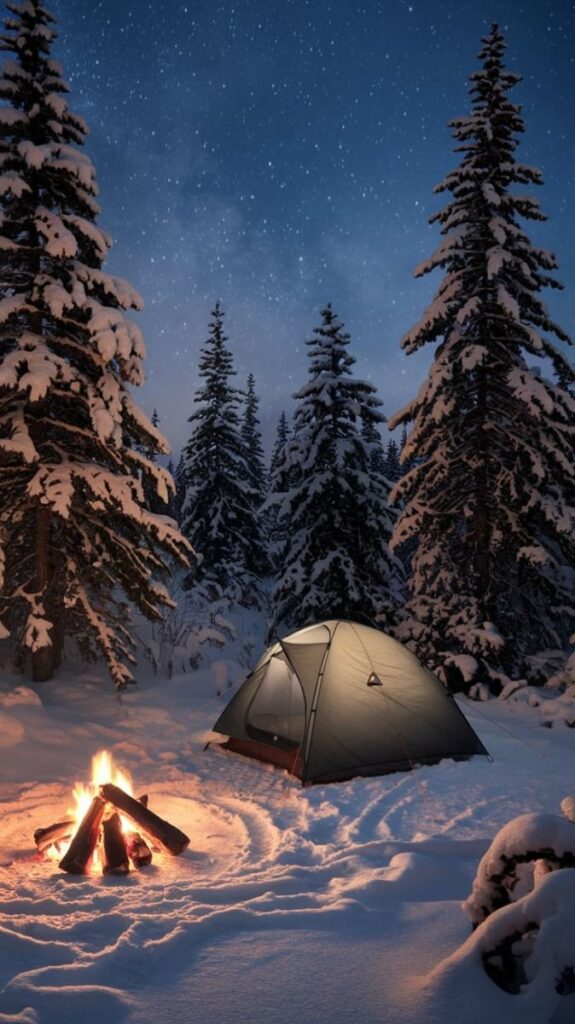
column 314, row 703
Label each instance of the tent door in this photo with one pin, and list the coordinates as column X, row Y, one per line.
column 277, row 712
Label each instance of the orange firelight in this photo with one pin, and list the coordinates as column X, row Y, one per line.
column 103, row 770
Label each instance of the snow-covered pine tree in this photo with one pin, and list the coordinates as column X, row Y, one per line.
column 486, row 499
column 256, row 549
column 74, row 532
column 279, row 482
column 391, row 466
column 252, row 438
column 336, row 561
column 217, row 515
column 372, row 437
column 278, row 451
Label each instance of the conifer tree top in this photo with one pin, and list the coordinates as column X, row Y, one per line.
column 494, row 272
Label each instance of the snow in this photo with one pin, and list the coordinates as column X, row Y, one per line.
column 34, row 156
column 9, row 117
column 12, row 182
column 325, row 905
column 58, row 240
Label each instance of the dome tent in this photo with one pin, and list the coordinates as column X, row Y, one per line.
column 338, row 699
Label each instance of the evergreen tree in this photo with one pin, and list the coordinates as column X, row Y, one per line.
column 279, row 483
column 486, row 499
column 256, row 553
column 278, row 451
column 372, row 438
column 217, row 513
column 252, row 438
column 336, row 562
column 392, row 466
column 74, row 530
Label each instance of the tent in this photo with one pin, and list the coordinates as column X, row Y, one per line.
column 340, row 699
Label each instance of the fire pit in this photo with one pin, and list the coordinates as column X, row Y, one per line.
column 104, row 831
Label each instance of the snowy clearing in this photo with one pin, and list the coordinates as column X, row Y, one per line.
column 328, row 904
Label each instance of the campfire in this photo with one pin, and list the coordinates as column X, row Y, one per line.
column 109, row 828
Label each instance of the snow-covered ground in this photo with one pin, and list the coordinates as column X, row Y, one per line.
column 326, row 905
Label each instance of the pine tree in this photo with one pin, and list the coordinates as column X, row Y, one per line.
column 392, row 466
column 336, row 561
column 217, row 514
column 256, row 548
column 279, row 483
column 372, row 437
column 486, row 499
column 278, row 451
column 74, row 532
column 252, row 438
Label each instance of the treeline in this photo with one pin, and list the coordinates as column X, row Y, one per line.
column 307, row 536
column 469, row 558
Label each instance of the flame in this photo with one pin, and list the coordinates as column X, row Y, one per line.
column 103, row 770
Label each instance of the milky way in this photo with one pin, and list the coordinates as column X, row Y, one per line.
column 279, row 156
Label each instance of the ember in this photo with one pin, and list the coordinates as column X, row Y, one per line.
column 100, row 834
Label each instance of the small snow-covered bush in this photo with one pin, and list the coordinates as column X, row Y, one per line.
column 523, row 850
column 198, row 622
column 555, row 703
column 529, row 944
column 523, row 903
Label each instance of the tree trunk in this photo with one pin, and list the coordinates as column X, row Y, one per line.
column 42, row 659
column 57, row 633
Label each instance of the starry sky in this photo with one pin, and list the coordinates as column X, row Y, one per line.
column 282, row 154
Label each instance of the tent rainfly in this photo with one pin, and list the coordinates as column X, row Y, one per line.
column 339, row 699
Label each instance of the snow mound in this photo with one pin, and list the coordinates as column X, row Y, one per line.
column 11, row 731
column 19, row 695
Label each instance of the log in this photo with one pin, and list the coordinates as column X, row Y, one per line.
column 138, row 850
column 169, row 837
column 60, row 831
column 115, row 853
column 56, row 833
column 82, row 847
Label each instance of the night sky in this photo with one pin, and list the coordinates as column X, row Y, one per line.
column 281, row 155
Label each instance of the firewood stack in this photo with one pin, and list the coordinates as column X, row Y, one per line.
column 101, row 829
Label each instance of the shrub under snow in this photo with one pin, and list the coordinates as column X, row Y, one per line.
column 523, row 905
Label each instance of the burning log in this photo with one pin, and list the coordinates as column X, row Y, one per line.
column 57, row 833
column 82, row 847
column 138, row 850
column 170, row 837
column 115, row 851
column 98, row 842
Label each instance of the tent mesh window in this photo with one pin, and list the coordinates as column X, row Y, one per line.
column 277, row 712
